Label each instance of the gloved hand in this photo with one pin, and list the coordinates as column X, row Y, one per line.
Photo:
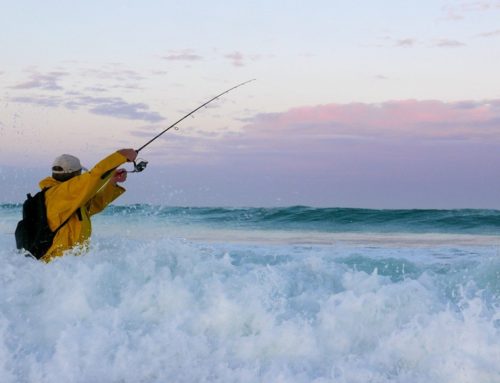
column 130, row 154
column 119, row 176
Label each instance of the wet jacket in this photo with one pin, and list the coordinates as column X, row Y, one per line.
column 80, row 197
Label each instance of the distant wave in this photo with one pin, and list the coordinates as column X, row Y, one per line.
column 318, row 219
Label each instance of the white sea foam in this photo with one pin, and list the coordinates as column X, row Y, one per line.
column 165, row 309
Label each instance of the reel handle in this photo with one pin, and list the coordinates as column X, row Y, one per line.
column 138, row 166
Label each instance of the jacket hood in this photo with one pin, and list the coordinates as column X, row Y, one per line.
column 48, row 183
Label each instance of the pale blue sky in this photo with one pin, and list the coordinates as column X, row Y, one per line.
column 355, row 103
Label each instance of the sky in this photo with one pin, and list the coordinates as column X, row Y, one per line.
column 373, row 104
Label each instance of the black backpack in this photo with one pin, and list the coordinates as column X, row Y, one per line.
column 33, row 232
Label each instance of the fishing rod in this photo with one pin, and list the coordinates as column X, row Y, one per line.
column 139, row 167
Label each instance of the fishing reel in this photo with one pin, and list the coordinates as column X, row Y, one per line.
column 138, row 166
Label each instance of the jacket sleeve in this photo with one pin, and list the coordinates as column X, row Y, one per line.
column 104, row 197
column 64, row 199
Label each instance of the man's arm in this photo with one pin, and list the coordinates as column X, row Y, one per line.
column 68, row 196
column 108, row 193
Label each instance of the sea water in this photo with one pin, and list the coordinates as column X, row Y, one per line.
column 258, row 295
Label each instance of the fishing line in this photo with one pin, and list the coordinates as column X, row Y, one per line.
column 139, row 167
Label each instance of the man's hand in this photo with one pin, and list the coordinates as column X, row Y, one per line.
column 130, row 154
column 119, row 176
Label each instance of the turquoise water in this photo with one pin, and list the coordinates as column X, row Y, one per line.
column 465, row 221
column 258, row 295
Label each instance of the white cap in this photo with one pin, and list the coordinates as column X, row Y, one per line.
column 66, row 163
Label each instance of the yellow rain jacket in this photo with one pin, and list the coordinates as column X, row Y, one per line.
column 80, row 197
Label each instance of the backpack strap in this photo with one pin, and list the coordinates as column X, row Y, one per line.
column 65, row 222
column 67, row 219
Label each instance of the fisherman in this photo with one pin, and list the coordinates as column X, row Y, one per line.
column 72, row 197
column 57, row 218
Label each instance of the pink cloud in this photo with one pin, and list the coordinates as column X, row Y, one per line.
column 320, row 133
column 480, row 6
column 236, row 58
column 459, row 9
column 398, row 153
column 185, row 55
column 393, row 119
column 49, row 81
column 406, row 42
column 490, row 34
column 447, row 43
